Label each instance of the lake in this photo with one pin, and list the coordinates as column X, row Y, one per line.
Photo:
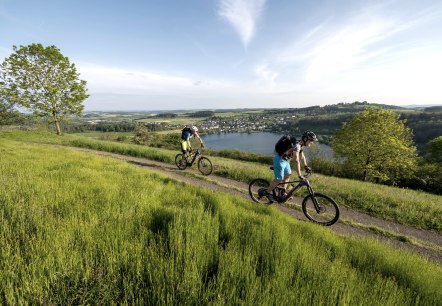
column 261, row 143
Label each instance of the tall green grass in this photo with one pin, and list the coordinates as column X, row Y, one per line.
column 81, row 229
column 404, row 206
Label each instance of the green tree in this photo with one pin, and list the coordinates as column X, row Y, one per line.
column 434, row 149
column 376, row 145
column 8, row 114
column 42, row 80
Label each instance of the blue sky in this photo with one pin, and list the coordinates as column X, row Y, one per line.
column 217, row 54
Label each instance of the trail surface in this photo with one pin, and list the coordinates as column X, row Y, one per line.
column 351, row 223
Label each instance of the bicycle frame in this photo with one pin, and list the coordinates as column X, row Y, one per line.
column 194, row 155
column 288, row 194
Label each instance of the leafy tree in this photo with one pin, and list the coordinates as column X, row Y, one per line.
column 376, row 145
column 42, row 80
column 7, row 112
column 434, row 149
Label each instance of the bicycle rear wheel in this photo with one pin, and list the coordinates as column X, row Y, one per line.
column 205, row 165
column 255, row 187
column 325, row 213
column 181, row 161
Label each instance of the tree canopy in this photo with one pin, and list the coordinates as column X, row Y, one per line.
column 376, row 145
column 42, row 80
column 434, row 149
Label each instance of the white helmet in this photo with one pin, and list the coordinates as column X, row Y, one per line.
column 194, row 128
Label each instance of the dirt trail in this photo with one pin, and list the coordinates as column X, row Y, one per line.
column 351, row 223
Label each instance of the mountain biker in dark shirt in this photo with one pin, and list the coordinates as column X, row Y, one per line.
column 186, row 134
column 281, row 164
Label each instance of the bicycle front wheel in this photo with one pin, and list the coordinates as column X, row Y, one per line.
column 256, row 187
column 205, row 166
column 181, row 161
column 324, row 212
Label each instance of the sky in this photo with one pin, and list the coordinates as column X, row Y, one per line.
column 223, row 54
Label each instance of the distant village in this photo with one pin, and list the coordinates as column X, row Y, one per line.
column 243, row 124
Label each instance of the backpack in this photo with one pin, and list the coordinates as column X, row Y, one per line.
column 184, row 132
column 283, row 144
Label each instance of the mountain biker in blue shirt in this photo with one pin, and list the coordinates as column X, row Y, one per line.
column 186, row 134
column 281, row 164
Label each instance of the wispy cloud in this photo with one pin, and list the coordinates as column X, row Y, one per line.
column 265, row 73
column 242, row 15
column 125, row 81
column 330, row 49
column 118, row 88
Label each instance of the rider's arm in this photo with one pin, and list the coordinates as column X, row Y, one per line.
column 199, row 138
column 188, row 143
column 303, row 158
column 298, row 166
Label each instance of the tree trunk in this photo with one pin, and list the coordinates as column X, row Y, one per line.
column 367, row 162
column 57, row 126
column 57, row 123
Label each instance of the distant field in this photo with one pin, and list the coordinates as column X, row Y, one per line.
column 97, row 135
column 186, row 119
column 177, row 120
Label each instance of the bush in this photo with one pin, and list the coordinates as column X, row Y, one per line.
column 428, row 178
column 152, row 139
column 326, row 167
column 241, row 155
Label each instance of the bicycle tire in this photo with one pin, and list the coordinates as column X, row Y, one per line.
column 255, row 186
column 329, row 213
column 205, row 166
column 181, row 161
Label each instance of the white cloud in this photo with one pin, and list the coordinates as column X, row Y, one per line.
column 265, row 73
column 120, row 80
column 242, row 15
column 327, row 55
column 118, row 88
column 327, row 51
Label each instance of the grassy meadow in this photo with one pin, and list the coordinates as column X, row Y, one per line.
column 184, row 118
column 410, row 207
column 82, row 229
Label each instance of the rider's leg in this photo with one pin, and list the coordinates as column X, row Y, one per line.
column 287, row 173
column 273, row 185
column 184, row 148
column 183, row 156
column 279, row 165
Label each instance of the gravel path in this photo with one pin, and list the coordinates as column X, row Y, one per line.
column 351, row 223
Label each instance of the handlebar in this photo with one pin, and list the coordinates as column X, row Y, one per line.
column 196, row 151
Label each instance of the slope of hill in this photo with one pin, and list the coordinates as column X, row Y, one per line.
column 78, row 229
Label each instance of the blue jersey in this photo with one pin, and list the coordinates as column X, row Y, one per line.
column 187, row 134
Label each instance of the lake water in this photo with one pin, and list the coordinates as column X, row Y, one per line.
column 261, row 143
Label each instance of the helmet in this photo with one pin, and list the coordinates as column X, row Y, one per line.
column 309, row 135
column 194, row 128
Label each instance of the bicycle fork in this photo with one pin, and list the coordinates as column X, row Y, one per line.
column 315, row 201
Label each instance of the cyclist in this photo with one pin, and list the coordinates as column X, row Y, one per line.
column 186, row 134
column 285, row 149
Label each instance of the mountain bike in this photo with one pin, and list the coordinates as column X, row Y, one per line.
column 317, row 207
column 183, row 161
